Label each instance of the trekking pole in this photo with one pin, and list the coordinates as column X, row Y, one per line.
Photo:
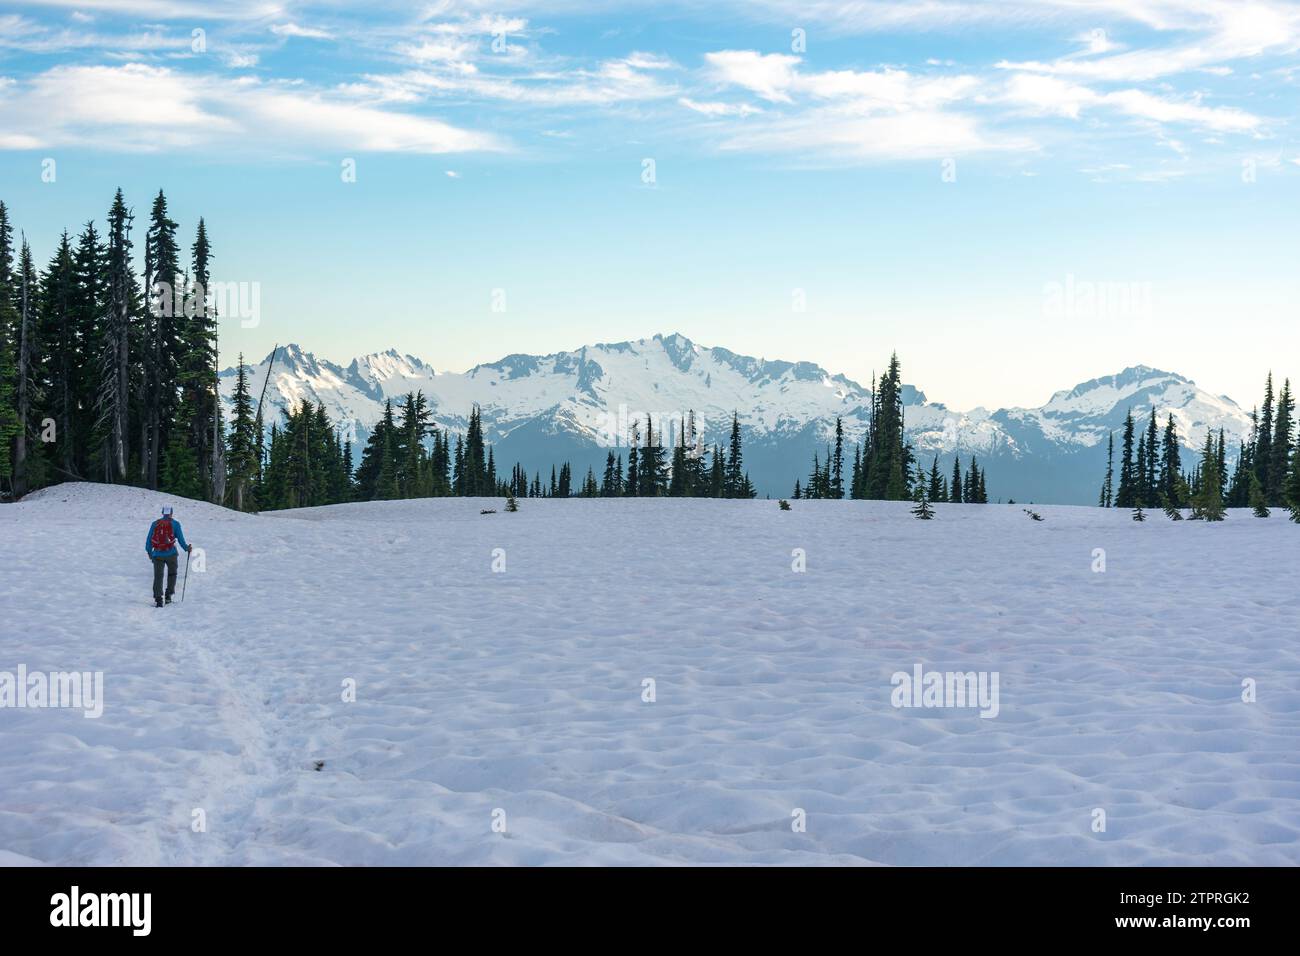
column 187, row 576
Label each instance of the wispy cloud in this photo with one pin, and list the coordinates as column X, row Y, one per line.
column 294, row 30
column 719, row 109
column 1053, row 96
column 1029, row 73
column 886, row 113
column 143, row 107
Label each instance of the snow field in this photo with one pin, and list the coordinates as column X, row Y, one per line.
column 522, row 690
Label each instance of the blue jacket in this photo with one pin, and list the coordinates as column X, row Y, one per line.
column 171, row 553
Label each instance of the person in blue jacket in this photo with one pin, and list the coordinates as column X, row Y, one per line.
column 160, row 544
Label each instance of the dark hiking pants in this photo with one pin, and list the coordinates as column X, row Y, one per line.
column 158, row 565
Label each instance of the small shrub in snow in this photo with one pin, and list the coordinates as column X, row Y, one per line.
column 488, row 511
column 784, row 505
column 512, row 505
column 1139, row 514
column 1033, row 514
column 1257, row 502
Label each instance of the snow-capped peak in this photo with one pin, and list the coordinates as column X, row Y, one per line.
column 540, row 408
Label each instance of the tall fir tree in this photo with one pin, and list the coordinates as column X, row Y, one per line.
column 1171, row 465
column 1107, row 496
column 1126, row 495
column 61, row 352
column 123, row 338
column 735, row 471
column 1263, row 455
column 8, row 350
column 836, row 489
column 160, row 395
column 241, row 455
column 1280, row 450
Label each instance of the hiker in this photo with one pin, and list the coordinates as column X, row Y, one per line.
column 160, row 544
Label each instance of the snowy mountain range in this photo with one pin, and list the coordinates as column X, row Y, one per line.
column 575, row 406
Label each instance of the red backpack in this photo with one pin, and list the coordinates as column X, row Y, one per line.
column 164, row 538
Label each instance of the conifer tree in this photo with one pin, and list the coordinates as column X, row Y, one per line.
column 1150, row 469
column 612, row 484
column 1292, row 489
column 196, row 369
column 8, row 350
column 376, row 475
column 90, row 307
column 836, row 484
column 1263, row 454
column 935, row 490
column 162, row 356
column 887, row 460
column 1171, row 463
column 678, row 483
column 60, row 352
column 1222, row 463
column 1143, row 491
column 1208, row 501
column 1171, row 502
column 651, row 466
column 241, row 460
column 1280, row 450
column 734, row 481
column 27, row 471
column 120, row 338
column 632, row 484
column 1258, row 504
column 955, row 489
column 921, row 497
column 1107, row 485
column 1127, row 494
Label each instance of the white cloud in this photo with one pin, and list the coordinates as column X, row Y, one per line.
column 619, row 80
column 1145, row 105
column 437, row 49
column 294, row 30
column 1222, row 32
column 719, row 109
column 1096, row 41
column 873, row 114
column 484, row 25
column 1050, row 95
column 776, row 77
column 770, row 75
column 142, row 107
column 910, row 136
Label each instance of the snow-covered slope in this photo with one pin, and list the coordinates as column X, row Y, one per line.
column 540, row 409
column 523, row 691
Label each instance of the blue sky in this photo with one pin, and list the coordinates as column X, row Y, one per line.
column 1016, row 196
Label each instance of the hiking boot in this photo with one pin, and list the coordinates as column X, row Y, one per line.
column 169, row 599
column 157, row 602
